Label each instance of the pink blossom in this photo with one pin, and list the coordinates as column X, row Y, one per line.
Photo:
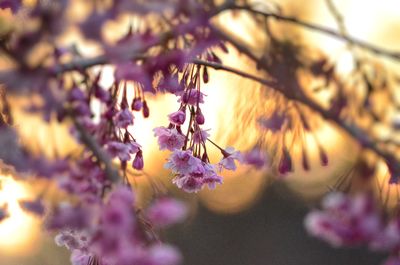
column 166, row 211
column 182, row 162
column 116, row 218
column 164, row 255
column 123, row 118
column 188, row 183
column 273, row 123
column 138, row 163
column 122, row 150
column 211, row 177
column 169, row 139
column 79, row 257
column 122, row 195
column 256, row 158
column 344, row 221
column 200, row 136
column 68, row 216
column 191, row 97
column 72, row 239
column 230, row 155
column 178, row 117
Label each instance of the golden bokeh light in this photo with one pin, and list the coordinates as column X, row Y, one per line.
column 20, row 230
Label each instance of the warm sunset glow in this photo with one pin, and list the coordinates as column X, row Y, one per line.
column 20, row 230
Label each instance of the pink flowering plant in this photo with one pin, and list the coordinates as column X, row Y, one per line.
column 171, row 52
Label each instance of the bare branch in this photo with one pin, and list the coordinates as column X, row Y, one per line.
column 111, row 173
column 327, row 31
column 356, row 133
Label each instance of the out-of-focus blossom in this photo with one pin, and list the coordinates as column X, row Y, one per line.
column 345, row 221
column 35, row 206
column 256, row 158
column 166, row 211
column 123, row 118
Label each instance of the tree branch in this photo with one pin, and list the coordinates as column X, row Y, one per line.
column 327, row 31
column 358, row 134
column 111, row 173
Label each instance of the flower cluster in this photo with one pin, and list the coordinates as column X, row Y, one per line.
column 113, row 232
column 354, row 221
column 189, row 160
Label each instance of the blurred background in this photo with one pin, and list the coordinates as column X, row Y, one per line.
column 250, row 219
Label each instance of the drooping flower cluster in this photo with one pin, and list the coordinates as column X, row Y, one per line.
column 189, row 159
column 114, row 232
column 355, row 221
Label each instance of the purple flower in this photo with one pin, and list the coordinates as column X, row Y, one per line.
column 138, row 163
column 169, row 139
column 137, row 104
column 183, row 162
column 273, row 123
column 211, row 177
column 188, row 183
column 256, row 158
column 123, row 118
column 166, row 211
column 178, row 117
column 200, row 136
column 79, row 257
column 344, row 221
column 117, row 218
column 191, row 97
column 72, row 239
column 162, row 254
column 230, row 155
column 68, row 216
column 122, row 150
column 14, row 5
column 199, row 117
column 122, row 194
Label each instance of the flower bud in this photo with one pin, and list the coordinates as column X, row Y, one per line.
column 146, row 110
column 138, row 163
column 199, row 117
column 137, row 104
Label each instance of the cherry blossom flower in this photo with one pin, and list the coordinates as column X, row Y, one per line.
column 188, row 183
column 191, row 97
column 169, row 139
column 230, row 155
column 123, row 118
column 183, row 162
column 166, row 211
column 256, row 158
column 164, row 255
column 122, row 150
column 200, row 136
column 344, row 221
column 177, row 118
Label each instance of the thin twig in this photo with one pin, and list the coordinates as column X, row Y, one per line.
column 111, row 173
column 357, row 133
column 324, row 30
